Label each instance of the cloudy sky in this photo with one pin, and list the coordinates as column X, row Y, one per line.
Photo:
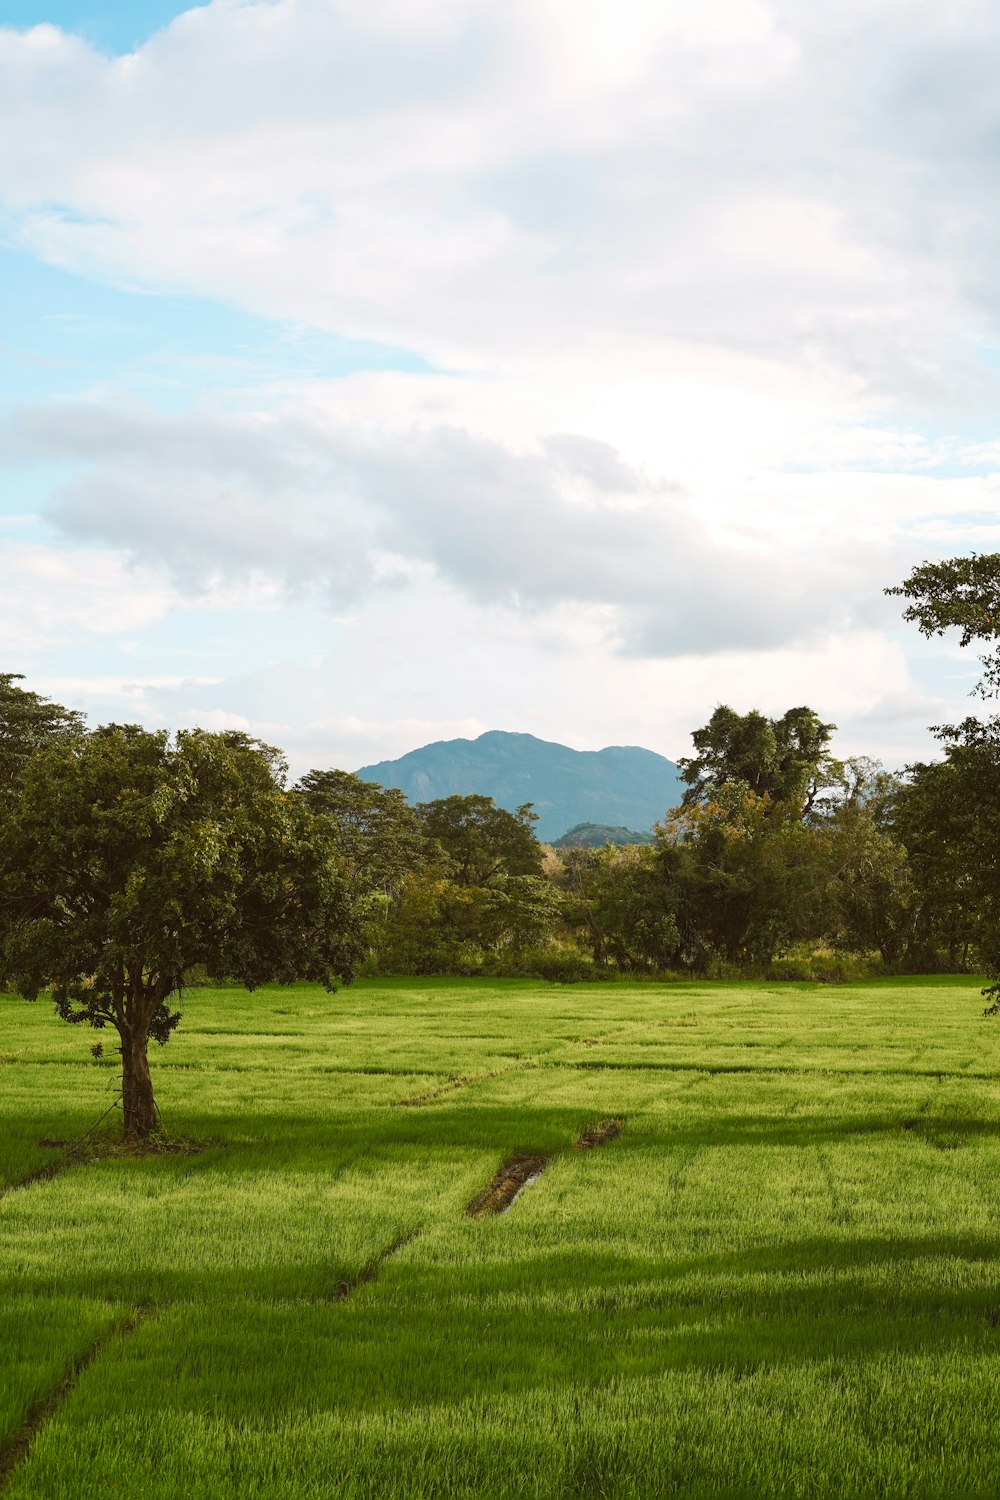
column 377, row 371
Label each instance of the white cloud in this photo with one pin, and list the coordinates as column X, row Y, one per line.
column 397, row 664
column 483, row 181
column 54, row 595
column 284, row 505
column 711, row 285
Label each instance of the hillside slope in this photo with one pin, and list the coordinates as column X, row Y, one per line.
column 622, row 785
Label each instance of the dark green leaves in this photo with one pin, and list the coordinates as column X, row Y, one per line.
column 960, row 593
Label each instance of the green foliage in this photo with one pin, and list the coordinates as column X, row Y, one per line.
column 961, row 593
column 130, row 858
column 378, row 835
column 949, row 818
column 785, row 760
column 743, row 881
column 481, row 841
column 28, row 722
column 443, row 927
column 614, row 899
column 875, row 897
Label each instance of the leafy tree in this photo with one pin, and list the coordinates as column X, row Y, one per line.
column 27, row 722
column 877, row 896
column 954, row 809
column 483, row 841
column 130, row 857
column 949, row 819
column 785, row 760
column 480, row 890
column 442, row 927
column 379, row 835
column 743, row 883
column 960, row 593
column 615, row 900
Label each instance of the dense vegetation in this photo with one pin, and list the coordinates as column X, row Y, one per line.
column 780, row 1280
column 132, row 863
column 759, row 1256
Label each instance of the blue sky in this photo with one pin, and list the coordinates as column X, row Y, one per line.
column 65, row 334
column 113, row 28
column 373, row 373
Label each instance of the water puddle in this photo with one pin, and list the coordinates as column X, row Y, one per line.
column 511, row 1180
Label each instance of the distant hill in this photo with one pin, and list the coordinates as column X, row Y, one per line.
column 596, row 835
column 621, row 787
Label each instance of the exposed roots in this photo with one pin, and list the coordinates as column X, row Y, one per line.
column 100, row 1147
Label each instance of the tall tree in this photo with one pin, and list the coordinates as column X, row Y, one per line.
column 130, row 857
column 483, row 841
column 378, row 833
column 786, row 760
column 962, row 797
column 27, row 722
column 742, row 882
column 960, row 593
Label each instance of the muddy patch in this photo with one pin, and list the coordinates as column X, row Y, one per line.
column 19, row 1447
column 512, row 1178
column 599, row 1135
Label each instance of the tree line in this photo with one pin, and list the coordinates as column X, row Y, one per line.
column 133, row 862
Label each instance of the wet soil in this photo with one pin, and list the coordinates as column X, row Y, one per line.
column 599, row 1135
column 499, row 1194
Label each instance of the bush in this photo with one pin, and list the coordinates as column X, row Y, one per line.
column 569, row 965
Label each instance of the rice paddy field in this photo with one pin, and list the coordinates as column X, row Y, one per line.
column 781, row 1278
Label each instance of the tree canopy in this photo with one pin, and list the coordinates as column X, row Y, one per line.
column 960, row 593
column 786, row 760
column 27, row 722
column 378, row 834
column 130, row 857
column 482, row 841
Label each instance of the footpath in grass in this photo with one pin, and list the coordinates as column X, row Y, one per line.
column 781, row 1278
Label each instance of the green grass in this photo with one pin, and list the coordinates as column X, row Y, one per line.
column 782, row 1279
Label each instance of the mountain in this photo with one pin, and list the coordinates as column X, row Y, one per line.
column 596, row 835
column 622, row 786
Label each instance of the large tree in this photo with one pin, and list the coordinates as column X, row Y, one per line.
column 130, row 857
column 482, row 841
column 378, row 833
column 28, row 722
column 786, row 760
column 955, row 806
column 960, row 593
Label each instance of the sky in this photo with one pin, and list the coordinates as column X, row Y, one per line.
column 374, row 372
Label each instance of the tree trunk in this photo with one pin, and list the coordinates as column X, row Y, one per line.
column 141, row 1118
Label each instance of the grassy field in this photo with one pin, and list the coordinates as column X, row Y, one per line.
column 782, row 1278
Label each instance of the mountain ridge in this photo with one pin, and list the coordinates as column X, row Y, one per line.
column 624, row 786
